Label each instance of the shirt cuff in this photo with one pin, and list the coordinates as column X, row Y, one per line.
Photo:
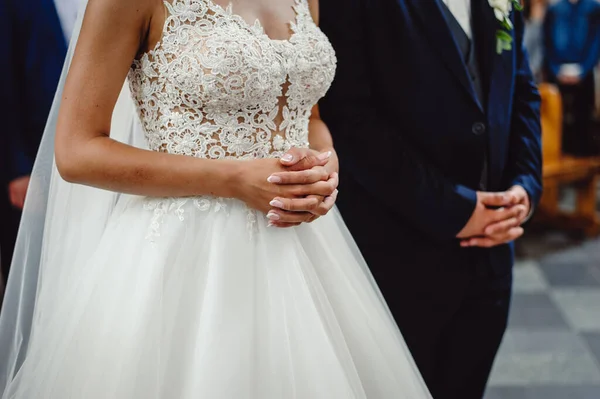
column 531, row 207
column 531, row 211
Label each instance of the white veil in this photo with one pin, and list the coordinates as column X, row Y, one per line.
column 61, row 223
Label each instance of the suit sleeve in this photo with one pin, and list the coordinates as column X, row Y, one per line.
column 397, row 174
column 524, row 166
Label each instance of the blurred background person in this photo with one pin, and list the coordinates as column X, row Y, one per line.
column 534, row 12
column 572, row 50
column 33, row 48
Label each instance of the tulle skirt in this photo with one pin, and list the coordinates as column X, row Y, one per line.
column 187, row 299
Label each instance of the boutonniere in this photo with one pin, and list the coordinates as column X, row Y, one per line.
column 502, row 10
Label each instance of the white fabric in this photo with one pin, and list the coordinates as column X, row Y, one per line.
column 67, row 14
column 207, row 308
column 225, row 98
column 461, row 9
column 61, row 224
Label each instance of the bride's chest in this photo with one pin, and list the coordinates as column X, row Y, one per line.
column 214, row 58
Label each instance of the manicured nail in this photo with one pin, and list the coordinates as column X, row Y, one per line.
column 274, row 179
column 270, row 224
column 273, row 216
column 287, row 158
column 325, row 155
column 276, row 204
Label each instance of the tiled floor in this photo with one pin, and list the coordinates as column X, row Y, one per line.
column 552, row 347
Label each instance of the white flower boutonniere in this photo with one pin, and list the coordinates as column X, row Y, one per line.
column 502, row 10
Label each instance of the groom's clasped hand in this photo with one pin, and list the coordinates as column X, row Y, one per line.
column 497, row 218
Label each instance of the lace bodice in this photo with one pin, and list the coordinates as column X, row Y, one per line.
column 217, row 87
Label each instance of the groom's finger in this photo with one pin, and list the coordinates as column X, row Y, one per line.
column 517, row 194
column 502, row 226
column 499, row 215
column 505, row 218
column 495, row 199
column 489, row 242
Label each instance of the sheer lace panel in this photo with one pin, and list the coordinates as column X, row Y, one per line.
column 217, row 87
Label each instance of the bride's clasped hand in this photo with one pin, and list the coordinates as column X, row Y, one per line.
column 297, row 188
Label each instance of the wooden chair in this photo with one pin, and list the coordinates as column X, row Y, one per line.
column 560, row 169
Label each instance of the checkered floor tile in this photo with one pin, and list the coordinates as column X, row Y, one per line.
column 552, row 347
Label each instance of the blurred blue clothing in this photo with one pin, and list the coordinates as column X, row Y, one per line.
column 32, row 50
column 533, row 39
column 572, row 36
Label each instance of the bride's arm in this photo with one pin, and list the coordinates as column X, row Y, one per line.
column 109, row 40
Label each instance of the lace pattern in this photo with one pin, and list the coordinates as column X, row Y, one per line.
column 217, row 87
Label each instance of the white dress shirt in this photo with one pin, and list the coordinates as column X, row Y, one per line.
column 67, row 14
column 461, row 9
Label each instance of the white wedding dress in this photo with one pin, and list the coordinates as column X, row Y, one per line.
column 183, row 298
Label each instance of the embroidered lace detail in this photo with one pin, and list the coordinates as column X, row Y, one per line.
column 217, row 87
column 161, row 207
column 164, row 206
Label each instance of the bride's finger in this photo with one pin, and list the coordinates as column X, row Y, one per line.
column 297, row 159
column 283, row 225
column 308, row 204
column 327, row 205
column 309, row 176
column 281, row 216
column 322, row 188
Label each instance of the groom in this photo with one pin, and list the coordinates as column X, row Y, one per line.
column 438, row 137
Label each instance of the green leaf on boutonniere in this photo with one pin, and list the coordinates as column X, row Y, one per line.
column 507, row 24
column 502, row 10
column 518, row 6
column 503, row 41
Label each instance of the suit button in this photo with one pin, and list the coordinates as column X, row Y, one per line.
column 478, row 128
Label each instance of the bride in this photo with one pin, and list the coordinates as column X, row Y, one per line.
column 171, row 248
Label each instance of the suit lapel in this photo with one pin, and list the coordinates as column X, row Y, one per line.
column 435, row 27
column 498, row 75
column 485, row 25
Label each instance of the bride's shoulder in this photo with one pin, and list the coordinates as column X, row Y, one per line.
column 119, row 10
column 313, row 5
column 126, row 19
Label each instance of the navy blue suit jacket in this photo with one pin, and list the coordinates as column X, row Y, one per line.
column 410, row 132
column 33, row 49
